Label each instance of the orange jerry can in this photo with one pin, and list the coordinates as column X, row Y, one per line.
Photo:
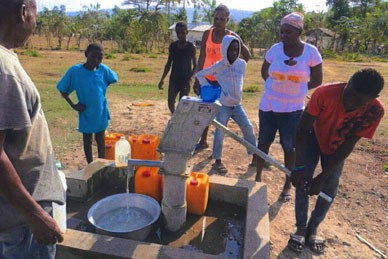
column 149, row 182
column 110, row 142
column 197, row 193
column 133, row 141
column 144, row 146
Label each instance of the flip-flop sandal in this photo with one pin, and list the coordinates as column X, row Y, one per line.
column 296, row 243
column 316, row 244
column 220, row 168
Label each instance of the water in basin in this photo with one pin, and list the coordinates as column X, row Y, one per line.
column 124, row 219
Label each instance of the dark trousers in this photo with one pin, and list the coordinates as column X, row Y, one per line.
column 100, row 140
column 173, row 90
column 312, row 156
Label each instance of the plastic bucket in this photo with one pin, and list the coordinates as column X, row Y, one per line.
column 149, row 182
column 197, row 193
column 210, row 93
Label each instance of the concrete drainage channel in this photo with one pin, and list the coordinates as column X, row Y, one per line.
column 85, row 184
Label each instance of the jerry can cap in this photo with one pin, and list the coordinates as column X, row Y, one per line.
column 146, row 173
column 193, row 181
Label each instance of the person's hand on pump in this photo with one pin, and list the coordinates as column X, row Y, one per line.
column 297, row 177
column 316, row 185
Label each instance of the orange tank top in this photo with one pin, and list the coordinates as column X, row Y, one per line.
column 213, row 53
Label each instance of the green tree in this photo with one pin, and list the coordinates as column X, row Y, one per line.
column 374, row 31
column 281, row 8
column 249, row 29
column 208, row 10
column 122, row 29
column 54, row 23
column 91, row 23
column 362, row 7
column 259, row 30
column 314, row 21
column 361, row 24
column 142, row 6
column 232, row 25
column 44, row 25
column 196, row 15
column 153, row 27
column 338, row 9
column 181, row 15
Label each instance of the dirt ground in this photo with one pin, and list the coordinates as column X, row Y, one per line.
column 360, row 207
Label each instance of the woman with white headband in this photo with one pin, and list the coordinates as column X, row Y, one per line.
column 291, row 67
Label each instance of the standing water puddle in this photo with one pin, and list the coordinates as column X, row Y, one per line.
column 220, row 231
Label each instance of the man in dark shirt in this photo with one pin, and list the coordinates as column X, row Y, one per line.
column 182, row 57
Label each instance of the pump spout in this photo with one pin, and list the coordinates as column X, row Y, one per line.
column 139, row 162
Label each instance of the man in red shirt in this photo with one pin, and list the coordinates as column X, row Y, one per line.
column 335, row 119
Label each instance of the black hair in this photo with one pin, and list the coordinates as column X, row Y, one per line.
column 224, row 8
column 181, row 25
column 93, row 47
column 367, row 81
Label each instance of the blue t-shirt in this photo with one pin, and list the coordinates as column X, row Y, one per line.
column 90, row 87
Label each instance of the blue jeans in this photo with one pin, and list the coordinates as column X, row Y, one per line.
column 20, row 243
column 238, row 114
column 286, row 122
column 312, row 155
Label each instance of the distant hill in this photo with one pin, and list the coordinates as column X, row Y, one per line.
column 237, row 15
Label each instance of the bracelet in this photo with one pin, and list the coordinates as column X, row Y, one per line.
column 299, row 168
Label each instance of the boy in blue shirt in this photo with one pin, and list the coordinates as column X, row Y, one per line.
column 90, row 81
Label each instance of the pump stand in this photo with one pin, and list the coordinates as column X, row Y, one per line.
column 178, row 142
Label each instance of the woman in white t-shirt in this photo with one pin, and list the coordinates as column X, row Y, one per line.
column 291, row 67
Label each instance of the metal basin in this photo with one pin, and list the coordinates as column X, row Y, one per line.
column 126, row 215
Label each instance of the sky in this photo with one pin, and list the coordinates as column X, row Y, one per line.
column 251, row 5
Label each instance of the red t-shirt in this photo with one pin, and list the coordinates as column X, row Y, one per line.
column 333, row 124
